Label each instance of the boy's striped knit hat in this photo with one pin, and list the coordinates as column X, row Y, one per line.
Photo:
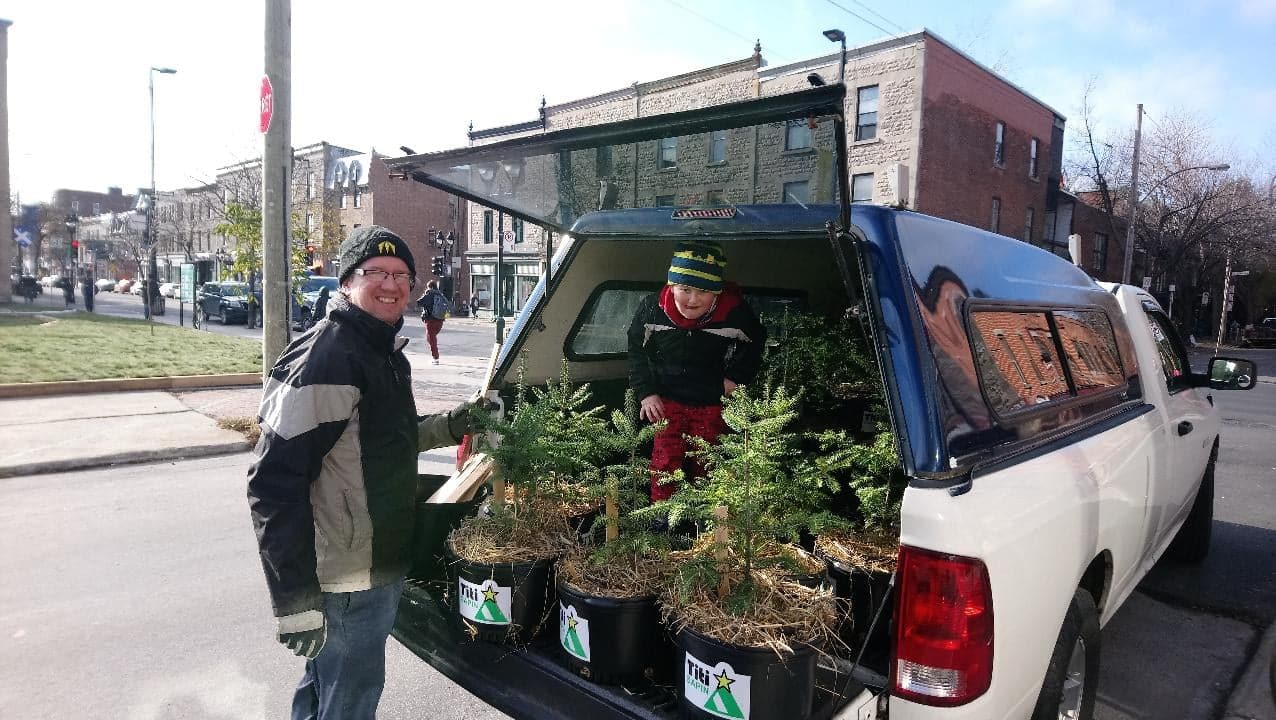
column 699, row 264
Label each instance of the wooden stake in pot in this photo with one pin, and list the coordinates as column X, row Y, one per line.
column 720, row 538
column 613, row 515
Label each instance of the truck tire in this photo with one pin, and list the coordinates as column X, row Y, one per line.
column 1192, row 542
column 1072, row 678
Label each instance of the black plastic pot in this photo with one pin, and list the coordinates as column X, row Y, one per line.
column 717, row 680
column 501, row 602
column 610, row 640
column 860, row 593
column 431, row 524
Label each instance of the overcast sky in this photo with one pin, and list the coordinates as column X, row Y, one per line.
column 379, row 74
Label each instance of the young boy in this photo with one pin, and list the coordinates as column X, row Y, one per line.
column 689, row 345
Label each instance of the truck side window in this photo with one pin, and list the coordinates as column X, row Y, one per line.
column 1091, row 349
column 1170, row 349
column 1016, row 357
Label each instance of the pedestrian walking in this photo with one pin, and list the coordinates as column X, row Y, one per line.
column 434, row 306
column 86, row 287
column 333, row 486
column 474, row 304
column 321, row 305
column 254, row 302
column 68, row 291
column 689, row 345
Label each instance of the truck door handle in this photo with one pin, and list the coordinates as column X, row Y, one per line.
column 1185, row 427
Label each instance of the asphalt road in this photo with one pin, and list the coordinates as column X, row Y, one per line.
column 137, row 593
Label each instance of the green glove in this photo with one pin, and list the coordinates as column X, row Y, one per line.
column 304, row 633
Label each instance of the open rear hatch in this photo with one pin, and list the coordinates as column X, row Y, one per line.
column 785, row 181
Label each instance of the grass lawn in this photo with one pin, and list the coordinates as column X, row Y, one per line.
column 84, row 346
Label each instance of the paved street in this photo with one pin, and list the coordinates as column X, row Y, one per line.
column 136, row 593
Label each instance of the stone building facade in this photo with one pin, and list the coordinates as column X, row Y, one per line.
column 928, row 129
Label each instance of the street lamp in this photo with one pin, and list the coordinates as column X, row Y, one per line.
column 838, row 36
column 1128, row 261
column 150, row 291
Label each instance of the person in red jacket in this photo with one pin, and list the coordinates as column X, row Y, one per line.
column 690, row 345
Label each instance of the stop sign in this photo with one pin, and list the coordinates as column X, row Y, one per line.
column 267, row 103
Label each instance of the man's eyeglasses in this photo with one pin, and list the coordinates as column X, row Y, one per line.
column 379, row 276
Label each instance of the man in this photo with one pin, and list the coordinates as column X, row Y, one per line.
column 434, row 307
column 333, row 488
column 254, row 302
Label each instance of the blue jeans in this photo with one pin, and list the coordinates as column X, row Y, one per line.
column 344, row 682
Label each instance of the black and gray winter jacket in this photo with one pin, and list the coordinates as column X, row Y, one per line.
column 333, row 486
column 686, row 360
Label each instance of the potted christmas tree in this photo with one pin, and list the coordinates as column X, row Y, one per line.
column 502, row 557
column 747, row 627
column 609, row 621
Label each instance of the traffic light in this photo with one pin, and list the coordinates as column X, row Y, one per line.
column 436, row 266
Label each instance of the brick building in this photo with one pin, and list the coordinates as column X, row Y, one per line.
column 337, row 189
column 928, row 129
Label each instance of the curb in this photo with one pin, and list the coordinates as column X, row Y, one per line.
column 77, row 387
column 128, row 458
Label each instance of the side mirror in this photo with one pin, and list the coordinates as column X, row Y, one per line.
column 1232, row 374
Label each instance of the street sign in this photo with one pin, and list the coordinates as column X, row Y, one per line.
column 508, row 236
column 267, row 103
column 1239, row 273
column 188, row 282
column 23, row 236
column 1147, row 283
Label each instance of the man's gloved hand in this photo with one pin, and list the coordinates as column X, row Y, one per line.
column 304, row 633
column 460, row 419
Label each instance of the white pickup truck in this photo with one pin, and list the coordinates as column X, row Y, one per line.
column 1055, row 440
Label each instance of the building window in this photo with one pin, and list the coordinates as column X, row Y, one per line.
column 1047, row 232
column 713, row 197
column 862, row 188
column 342, row 203
column 1028, row 218
column 797, row 135
column 717, row 146
column 797, row 192
column 866, row 115
column 664, row 201
column 1032, row 158
column 1100, row 252
column 518, row 231
column 75, row 206
column 358, row 198
column 310, row 223
column 487, row 227
column 97, row 208
column 602, row 161
column 995, row 224
column 999, row 147
column 310, row 186
column 667, row 154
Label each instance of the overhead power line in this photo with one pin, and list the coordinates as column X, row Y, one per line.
column 722, row 27
column 863, row 19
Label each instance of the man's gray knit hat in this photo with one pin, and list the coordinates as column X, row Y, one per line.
column 368, row 242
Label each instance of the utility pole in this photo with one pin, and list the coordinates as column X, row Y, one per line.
column 1134, row 200
column 6, row 218
column 276, row 179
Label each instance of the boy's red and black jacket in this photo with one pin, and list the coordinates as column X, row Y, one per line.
column 686, row 360
column 332, row 489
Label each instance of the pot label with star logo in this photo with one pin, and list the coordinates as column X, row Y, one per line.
column 486, row 603
column 717, row 689
column 573, row 632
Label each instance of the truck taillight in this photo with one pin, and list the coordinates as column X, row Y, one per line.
column 464, row 450
column 943, row 635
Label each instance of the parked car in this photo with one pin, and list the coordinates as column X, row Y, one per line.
column 226, row 301
column 104, row 285
column 136, row 288
column 170, row 289
column 1261, row 335
column 51, row 281
column 1054, row 440
column 123, row 285
column 303, row 311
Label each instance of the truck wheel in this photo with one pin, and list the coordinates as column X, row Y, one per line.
column 1192, row 542
column 1072, row 678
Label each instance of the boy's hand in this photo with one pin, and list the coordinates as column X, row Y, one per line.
column 728, row 386
column 653, row 409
